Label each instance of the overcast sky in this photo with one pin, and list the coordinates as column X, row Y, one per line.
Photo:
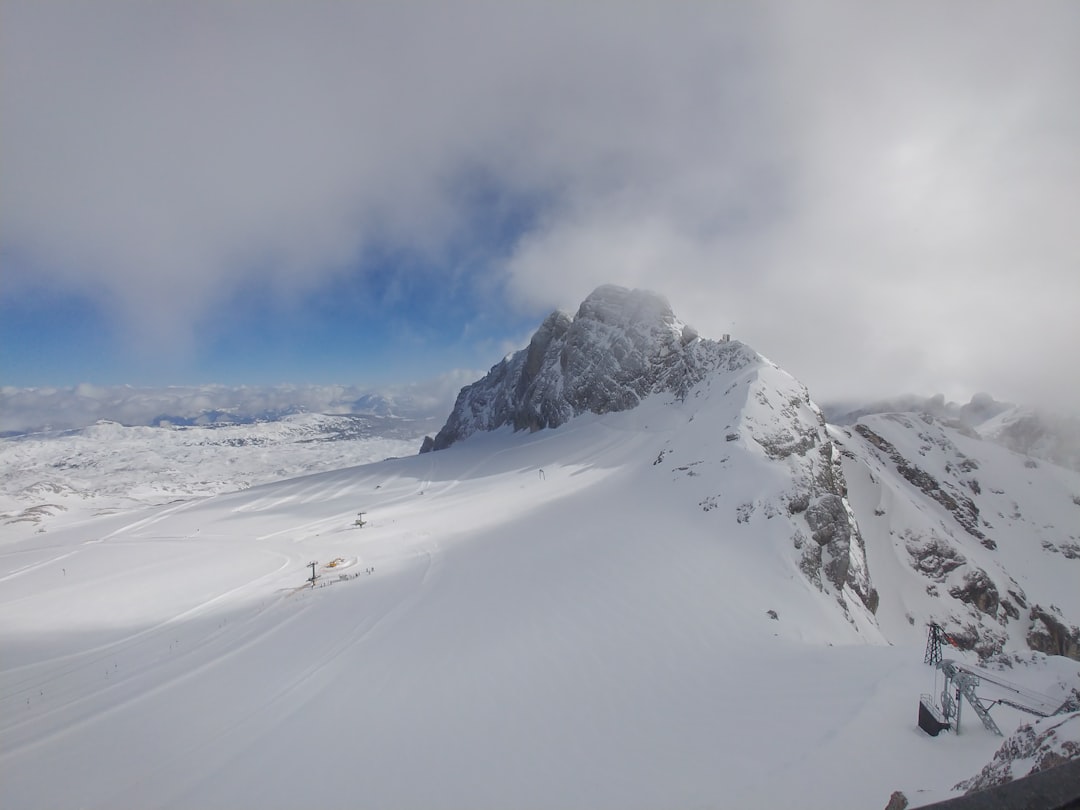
column 880, row 197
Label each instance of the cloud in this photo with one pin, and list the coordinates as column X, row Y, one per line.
column 897, row 217
column 33, row 409
column 880, row 197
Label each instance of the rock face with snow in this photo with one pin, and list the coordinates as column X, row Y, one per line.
column 621, row 346
column 625, row 345
column 1032, row 748
column 973, row 536
column 1037, row 434
column 962, row 530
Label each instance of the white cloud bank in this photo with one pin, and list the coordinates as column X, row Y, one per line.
column 32, row 409
column 881, row 197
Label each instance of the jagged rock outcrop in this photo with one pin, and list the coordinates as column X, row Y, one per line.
column 625, row 345
column 974, row 520
column 1034, row 747
column 840, row 552
column 1050, row 635
column 960, row 506
column 979, row 590
column 620, row 347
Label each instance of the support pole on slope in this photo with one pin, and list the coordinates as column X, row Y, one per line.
column 935, row 713
column 313, row 576
column 933, row 644
column 957, row 678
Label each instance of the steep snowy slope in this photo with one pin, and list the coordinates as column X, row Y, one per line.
column 967, row 533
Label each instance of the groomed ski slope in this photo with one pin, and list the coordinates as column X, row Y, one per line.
column 530, row 621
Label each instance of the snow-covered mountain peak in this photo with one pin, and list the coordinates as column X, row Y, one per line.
column 744, row 439
column 621, row 346
column 629, row 311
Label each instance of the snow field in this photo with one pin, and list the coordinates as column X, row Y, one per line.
column 588, row 636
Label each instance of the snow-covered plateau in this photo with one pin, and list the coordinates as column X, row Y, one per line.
column 48, row 479
column 649, row 575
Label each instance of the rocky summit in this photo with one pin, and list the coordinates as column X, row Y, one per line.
column 902, row 518
column 621, row 346
column 625, row 345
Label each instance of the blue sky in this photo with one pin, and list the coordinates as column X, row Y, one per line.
column 881, row 198
column 349, row 330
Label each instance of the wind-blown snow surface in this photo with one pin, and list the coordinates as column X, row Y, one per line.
column 546, row 620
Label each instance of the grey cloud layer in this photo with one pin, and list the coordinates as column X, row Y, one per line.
column 880, row 197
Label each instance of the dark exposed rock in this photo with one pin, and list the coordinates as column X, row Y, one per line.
column 830, row 475
column 1032, row 748
column 827, row 519
column 810, row 562
column 978, row 590
column 935, row 557
column 964, row 638
column 785, row 443
column 798, row 504
column 983, row 641
column 1049, row 634
column 897, row 801
column 838, row 547
column 620, row 347
column 872, row 600
column 959, row 505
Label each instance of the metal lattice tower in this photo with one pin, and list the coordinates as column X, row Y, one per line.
column 965, row 685
column 933, row 644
